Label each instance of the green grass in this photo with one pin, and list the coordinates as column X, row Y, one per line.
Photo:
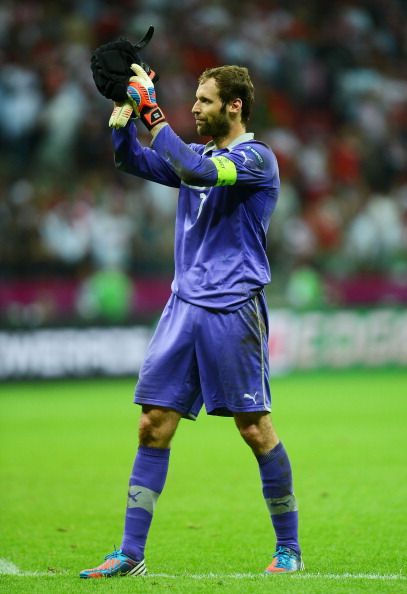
column 67, row 450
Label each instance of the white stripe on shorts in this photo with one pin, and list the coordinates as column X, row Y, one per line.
column 261, row 351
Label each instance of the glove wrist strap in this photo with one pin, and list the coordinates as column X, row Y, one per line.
column 151, row 116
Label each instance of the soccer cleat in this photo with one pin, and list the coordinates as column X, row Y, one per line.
column 117, row 564
column 285, row 560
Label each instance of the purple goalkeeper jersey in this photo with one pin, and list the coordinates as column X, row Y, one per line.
column 226, row 198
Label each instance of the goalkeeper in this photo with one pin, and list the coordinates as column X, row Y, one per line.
column 211, row 344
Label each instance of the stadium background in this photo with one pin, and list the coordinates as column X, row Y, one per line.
column 85, row 246
column 85, row 268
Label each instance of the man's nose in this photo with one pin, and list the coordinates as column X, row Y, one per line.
column 195, row 107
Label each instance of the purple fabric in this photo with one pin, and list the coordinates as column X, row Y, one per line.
column 276, row 476
column 149, row 470
column 217, row 358
column 220, row 232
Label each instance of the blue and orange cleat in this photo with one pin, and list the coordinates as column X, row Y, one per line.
column 285, row 560
column 117, row 564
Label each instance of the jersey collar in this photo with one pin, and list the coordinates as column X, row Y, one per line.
column 245, row 137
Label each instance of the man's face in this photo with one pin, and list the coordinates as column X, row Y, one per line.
column 209, row 113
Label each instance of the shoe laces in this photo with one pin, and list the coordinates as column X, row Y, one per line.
column 284, row 556
column 115, row 555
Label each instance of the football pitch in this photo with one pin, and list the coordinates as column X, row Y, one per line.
column 66, row 453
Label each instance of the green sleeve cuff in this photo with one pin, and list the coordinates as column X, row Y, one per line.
column 227, row 174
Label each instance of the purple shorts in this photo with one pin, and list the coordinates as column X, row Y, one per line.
column 199, row 356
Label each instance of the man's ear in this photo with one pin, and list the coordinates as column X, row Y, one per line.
column 235, row 106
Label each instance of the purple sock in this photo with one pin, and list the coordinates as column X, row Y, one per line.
column 146, row 483
column 275, row 472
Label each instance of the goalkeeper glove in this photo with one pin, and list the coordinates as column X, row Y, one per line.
column 141, row 94
column 121, row 114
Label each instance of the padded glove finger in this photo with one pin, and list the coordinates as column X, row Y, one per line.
column 121, row 114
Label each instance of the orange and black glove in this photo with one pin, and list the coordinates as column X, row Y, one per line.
column 141, row 102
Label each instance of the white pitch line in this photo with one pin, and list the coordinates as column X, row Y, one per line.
column 351, row 576
column 300, row 575
column 9, row 568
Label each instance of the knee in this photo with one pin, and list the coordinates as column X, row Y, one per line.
column 257, row 431
column 157, row 428
column 252, row 435
column 148, row 433
column 151, row 432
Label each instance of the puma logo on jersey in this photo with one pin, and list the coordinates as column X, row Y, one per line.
column 246, row 158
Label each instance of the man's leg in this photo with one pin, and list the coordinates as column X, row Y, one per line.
column 156, row 429
column 275, row 471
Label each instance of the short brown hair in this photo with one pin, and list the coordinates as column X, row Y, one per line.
column 233, row 82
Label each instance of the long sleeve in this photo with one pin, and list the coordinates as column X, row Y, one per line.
column 193, row 168
column 132, row 157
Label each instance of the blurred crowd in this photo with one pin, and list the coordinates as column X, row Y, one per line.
column 331, row 100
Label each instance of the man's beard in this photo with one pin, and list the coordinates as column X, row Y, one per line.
column 218, row 127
